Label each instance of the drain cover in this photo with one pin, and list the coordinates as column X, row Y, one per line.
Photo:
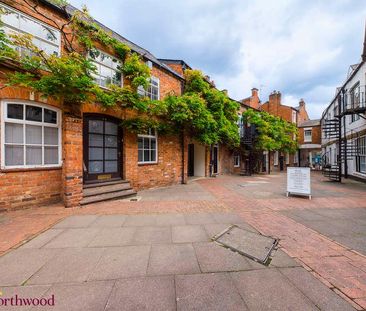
column 253, row 245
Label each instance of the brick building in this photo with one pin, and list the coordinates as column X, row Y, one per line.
column 310, row 144
column 278, row 161
column 51, row 154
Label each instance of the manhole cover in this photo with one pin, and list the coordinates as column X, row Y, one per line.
column 250, row 244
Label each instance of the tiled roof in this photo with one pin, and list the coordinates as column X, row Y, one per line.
column 310, row 123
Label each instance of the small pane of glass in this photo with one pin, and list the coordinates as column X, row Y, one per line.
column 141, row 156
column 140, row 142
column 95, row 140
column 110, row 154
column 51, row 136
column 13, row 133
column 146, row 143
column 153, row 155
column 96, row 126
column 146, row 156
column 33, row 113
column 111, row 166
column 153, row 143
column 96, row 154
column 95, row 166
column 14, row 155
column 50, row 116
column 33, row 134
column 33, row 155
column 110, row 141
column 111, row 128
column 15, row 111
column 50, row 155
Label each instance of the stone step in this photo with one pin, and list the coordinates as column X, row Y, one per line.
column 122, row 194
column 105, row 183
column 103, row 188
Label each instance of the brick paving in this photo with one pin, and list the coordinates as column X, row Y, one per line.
column 328, row 258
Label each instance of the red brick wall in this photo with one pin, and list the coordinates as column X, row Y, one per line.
column 226, row 157
column 315, row 135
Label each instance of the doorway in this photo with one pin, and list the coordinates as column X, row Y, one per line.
column 215, row 159
column 190, row 160
column 102, row 148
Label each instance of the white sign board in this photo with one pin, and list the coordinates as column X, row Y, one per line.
column 298, row 181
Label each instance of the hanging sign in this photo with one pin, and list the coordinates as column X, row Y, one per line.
column 298, row 181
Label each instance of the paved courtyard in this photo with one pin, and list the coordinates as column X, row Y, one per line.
column 156, row 254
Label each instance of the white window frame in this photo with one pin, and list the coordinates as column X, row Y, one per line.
column 361, row 145
column 275, row 158
column 156, row 143
column 296, row 157
column 287, row 158
column 4, row 119
column 102, row 64
column 236, row 159
column 19, row 30
column 306, row 138
column 141, row 91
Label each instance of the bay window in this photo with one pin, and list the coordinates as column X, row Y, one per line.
column 44, row 36
column 31, row 136
column 147, row 147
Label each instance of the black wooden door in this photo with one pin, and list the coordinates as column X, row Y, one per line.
column 191, row 160
column 102, row 148
column 215, row 159
column 281, row 162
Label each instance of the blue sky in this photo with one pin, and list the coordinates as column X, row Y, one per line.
column 301, row 48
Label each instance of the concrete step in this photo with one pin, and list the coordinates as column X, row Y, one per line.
column 122, row 194
column 105, row 183
column 105, row 188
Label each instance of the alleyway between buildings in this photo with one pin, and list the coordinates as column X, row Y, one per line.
column 157, row 252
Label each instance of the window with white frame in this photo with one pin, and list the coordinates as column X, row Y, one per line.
column 361, row 157
column 236, row 160
column 296, row 157
column 147, row 147
column 31, row 135
column 44, row 36
column 275, row 160
column 287, row 158
column 153, row 89
column 307, row 135
column 294, row 115
column 107, row 68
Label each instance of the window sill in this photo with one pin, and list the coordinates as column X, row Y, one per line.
column 147, row 163
column 25, row 169
column 359, row 174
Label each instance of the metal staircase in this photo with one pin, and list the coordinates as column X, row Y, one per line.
column 350, row 102
column 248, row 134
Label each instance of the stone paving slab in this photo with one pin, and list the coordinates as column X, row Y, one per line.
column 104, row 221
column 152, row 235
column 207, row 292
column 200, row 219
column 321, row 295
column 122, row 262
column 43, row 238
column 140, row 220
column 91, row 296
column 268, row 289
column 189, row 234
column 170, row 259
column 19, row 265
column 151, row 293
column 109, row 237
column 70, row 265
column 170, row 220
column 79, row 237
column 76, row 221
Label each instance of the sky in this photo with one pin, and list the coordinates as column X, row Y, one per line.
column 302, row 48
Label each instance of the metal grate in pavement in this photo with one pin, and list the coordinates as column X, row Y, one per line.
column 253, row 245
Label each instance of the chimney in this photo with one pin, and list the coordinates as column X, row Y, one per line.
column 302, row 102
column 275, row 98
column 254, row 92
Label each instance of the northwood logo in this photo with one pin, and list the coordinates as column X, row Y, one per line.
column 18, row 301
